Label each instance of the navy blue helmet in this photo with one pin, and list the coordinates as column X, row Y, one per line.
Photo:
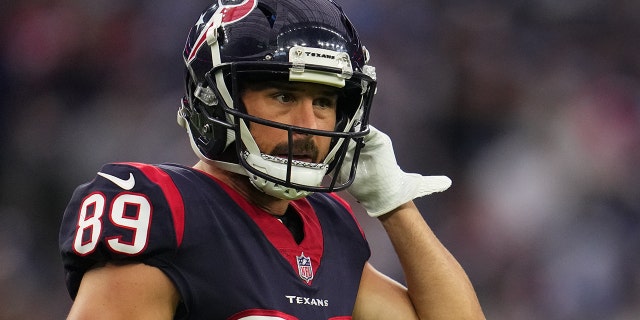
column 312, row 41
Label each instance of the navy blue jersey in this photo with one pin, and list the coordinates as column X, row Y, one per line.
column 227, row 258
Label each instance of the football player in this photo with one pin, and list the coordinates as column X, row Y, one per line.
column 278, row 94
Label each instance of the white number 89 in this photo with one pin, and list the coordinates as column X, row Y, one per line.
column 84, row 244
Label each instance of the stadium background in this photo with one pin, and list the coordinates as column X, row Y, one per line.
column 532, row 107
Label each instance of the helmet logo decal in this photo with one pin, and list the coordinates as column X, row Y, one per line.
column 234, row 12
column 230, row 13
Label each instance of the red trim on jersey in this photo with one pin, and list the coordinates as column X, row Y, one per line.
column 312, row 244
column 171, row 193
column 261, row 312
column 348, row 207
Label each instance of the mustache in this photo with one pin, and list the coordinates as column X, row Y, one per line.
column 305, row 146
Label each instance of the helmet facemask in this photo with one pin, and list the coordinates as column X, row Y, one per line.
column 287, row 177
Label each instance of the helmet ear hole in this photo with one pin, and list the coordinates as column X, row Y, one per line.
column 215, row 135
column 211, row 138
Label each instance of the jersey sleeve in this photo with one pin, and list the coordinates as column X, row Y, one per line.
column 128, row 212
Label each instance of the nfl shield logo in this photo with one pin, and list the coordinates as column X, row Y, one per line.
column 304, row 267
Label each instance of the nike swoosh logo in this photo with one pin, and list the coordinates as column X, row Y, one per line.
column 124, row 184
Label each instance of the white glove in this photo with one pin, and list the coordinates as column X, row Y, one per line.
column 380, row 185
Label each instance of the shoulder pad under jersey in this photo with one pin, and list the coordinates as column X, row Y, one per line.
column 128, row 212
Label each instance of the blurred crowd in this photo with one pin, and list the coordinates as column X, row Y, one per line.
column 531, row 107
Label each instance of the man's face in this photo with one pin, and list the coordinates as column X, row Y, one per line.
column 300, row 104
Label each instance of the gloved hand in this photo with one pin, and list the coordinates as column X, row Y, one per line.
column 380, row 185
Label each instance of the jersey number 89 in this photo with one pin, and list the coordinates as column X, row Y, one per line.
column 129, row 212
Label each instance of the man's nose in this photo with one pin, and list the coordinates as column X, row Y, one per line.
column 304, row 115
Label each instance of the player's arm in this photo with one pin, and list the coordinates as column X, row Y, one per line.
column 114, row 229
column 437, row 286
column 125, row 291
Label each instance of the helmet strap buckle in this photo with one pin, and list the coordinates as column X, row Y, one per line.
column 206, row 95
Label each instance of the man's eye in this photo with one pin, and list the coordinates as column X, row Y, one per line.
column 325, row 103
column 283, row 97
